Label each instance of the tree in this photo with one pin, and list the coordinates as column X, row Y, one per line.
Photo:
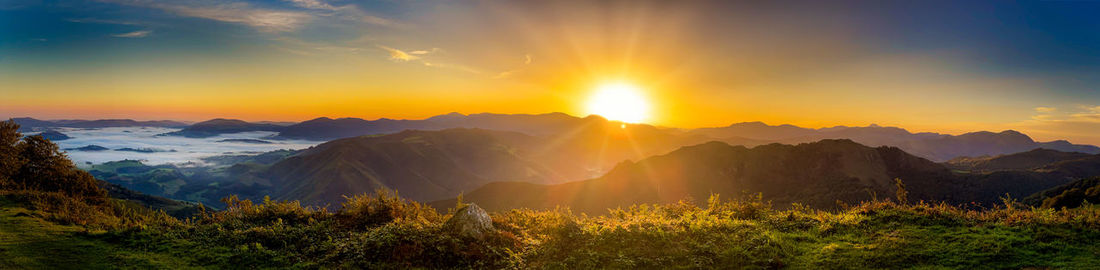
column 10, row 161
column 36, row 163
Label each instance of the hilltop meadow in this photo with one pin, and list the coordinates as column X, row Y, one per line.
column 55, row 216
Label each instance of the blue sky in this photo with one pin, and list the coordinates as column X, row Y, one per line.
column 948, row 66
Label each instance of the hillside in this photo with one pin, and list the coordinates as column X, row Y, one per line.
column 827, row 171
column 423, row 165
column 57, row 217
column 1070, row 195
column 433, row 165
column 815, row 174
column 1017, row 161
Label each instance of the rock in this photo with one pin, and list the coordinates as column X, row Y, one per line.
column 470, row 221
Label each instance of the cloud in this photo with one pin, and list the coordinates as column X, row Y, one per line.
column 312, row 4
column 101, row 21
column 134, row 34
column 266, row 20
column 1084, row 113
column 1087, row 114
column 1078, row 124
column 1045, row 109
column 423, row 52
column 399, row 55
column 349, row 12
column 509, row 73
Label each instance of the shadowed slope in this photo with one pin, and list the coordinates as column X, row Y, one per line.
column 817, row 174
column 1018, row 161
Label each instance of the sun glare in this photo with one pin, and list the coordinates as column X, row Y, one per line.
column 619, row 101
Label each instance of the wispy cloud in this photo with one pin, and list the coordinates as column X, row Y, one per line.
column 510, row 73
column 1045, row 109
column 134, row 34
column 424, row 52
column 102, row 21
column 399, row 55
column 312, row 4
column 1078, row 114
column 348, row 12
column 232, row 12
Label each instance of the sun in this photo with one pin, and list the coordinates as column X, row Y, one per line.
column 619, row 101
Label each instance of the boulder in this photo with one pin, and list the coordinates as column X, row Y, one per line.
column 470, row 221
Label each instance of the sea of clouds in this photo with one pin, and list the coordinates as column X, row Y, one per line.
column 187, row 151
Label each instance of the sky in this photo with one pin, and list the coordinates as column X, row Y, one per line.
column 940, row 66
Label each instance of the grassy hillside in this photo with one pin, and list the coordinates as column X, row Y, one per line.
column 27, row 241
column 386, row 232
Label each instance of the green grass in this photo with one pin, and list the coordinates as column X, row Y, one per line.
column 387, row 232
column 29, row 242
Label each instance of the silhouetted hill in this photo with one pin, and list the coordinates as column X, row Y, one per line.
column 1018, row 161
column 220, row 126
column 28, row 124
column 815, row 174
column 934, row 146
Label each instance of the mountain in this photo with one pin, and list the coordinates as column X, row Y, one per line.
column 1018, row 161
column 934, row 146
column 30, row 124
column 421, row 165
column 220, row 126
column 324, row 128
column 757, row 131
column 815, row 174
column 430, row 165
column 549, row 124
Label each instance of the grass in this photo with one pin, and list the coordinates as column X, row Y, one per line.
column 384, row 231
column 30, row 242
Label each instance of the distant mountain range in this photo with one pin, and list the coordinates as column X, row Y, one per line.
column 31, row 124
column 934, row 146
column 815, row 174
